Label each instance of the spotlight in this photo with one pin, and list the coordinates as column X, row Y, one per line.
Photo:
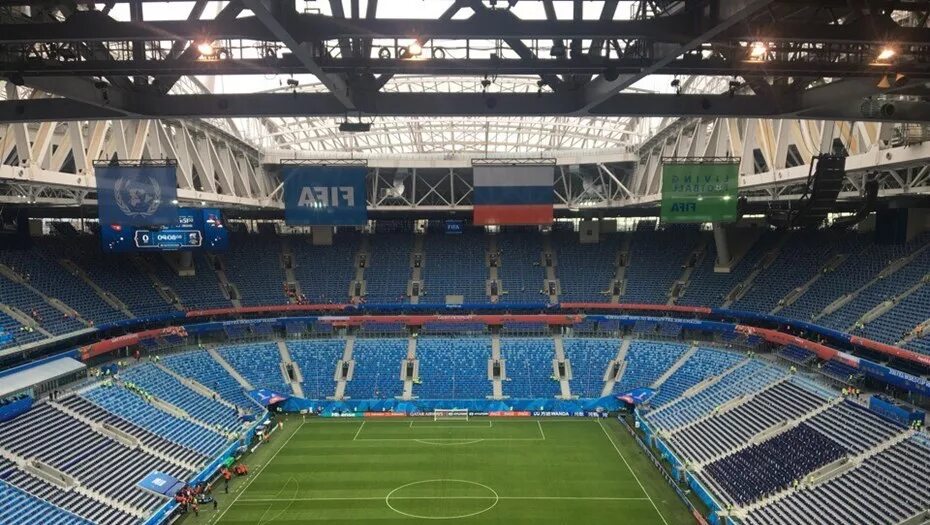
column 439, row 53
column 384, row 53
column 757, row 51
column 610, row 74
column 887, row 53
column 557, row 50
column 293, row 82
column 206, row 49
column 415, row 49
column 676, row 85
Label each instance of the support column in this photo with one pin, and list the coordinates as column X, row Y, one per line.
column 723, row 248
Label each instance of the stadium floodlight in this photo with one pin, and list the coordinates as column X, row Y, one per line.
column 414, row 49
column 206, row 48
column 886, row 54
column 355, row 127
column 757, row 51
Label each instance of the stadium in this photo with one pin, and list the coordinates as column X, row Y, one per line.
column 489, row 261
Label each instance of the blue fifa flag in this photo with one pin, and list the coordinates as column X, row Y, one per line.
column 161, row 484
column 325, row 195
column 137, row 195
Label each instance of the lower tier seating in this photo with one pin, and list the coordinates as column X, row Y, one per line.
column 762, row 469
column 703, row 364
column 201, row 367
column 377, row 368
column 646, row 361
column 453, row 368
column 528, row 367
column 21, row 508
column 258, row 363
column 317, row 360
column 589, row 359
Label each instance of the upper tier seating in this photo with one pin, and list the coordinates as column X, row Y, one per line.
column 724, row 432
column 201, row 290
column 704, row 364
column 762, row 469
column 99, row 463
column 907, row 313
column 528, row 367
column 646, row 361
column 656, row 261
column 589, row 359
column 116, row 273
column 708, row 287
column 585, row 271
column 20, row 336
column 748, row 378
column 453, row 368
column 70, row 500
column 861, row 266
column 799, row 260
column 20, row 508
column 253, row 263
column 886, row 488
column 130, row 406
column 41, row 269
column 317, row 360
column 377, row 369
column 883, row 289
column 521, row 272
column 258, row 363
column 326, row 272
column 201, row 367
column 33, row 305
column 388, row 268
column 166, row 387
column 454, row 265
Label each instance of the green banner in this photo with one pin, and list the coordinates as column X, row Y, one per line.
column 695, row 191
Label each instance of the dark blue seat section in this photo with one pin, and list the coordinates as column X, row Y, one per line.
column 770, row 466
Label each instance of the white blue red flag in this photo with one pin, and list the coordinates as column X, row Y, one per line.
column 513, row 195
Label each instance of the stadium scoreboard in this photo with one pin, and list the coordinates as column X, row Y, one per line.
column 196, row 229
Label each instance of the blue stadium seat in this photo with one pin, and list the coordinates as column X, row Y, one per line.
column 528, row 367
column 453, row 368
column 377, row 369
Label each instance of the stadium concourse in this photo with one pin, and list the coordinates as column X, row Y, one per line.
column 660, row 262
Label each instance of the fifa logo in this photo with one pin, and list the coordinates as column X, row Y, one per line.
column 326, row 196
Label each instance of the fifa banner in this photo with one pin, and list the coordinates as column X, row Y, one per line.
column 519, row 195
column 324, row 195
column 696, row 191
column 137, row 195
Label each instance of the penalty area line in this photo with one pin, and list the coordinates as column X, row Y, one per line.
column 625, row 462
column 381, row 498
column 359, row 431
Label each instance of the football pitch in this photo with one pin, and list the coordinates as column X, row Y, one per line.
column 578, row 471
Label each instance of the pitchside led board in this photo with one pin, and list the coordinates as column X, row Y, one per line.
column 697, row 191
column 324, row 195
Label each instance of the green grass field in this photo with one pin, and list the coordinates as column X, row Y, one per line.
column 579, row 471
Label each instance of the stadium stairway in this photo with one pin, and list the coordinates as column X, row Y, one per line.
column 197, row 387
column 700, row 387
column 564, row 385
column 728, row 406
column 743, row 287
column 227, row 287
column 694, row 260
column 497, row 385
column 51, row 301
column 493, row 274
column 416, row 274
column 674, row 368
column 611, row 379
column 411, row 357
column 229, row 369
column 23, row 319
column 552, row 280
column 793, row 295
column 289, row 364
column 623, row 257
column 346, row 358
column 165, row 291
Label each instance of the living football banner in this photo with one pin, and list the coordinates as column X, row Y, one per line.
column 696, row 191
column 137, row 195
column 325, row 195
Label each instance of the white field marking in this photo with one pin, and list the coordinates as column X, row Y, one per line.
column 381, row 498
column 421, row 419
column 625, row 462
column 427, row 424
column 449, row 444
column 495, row 499
column 359, row 431
column 280, row 511
column 451, row 439
column 541, row 433
column 259, row 473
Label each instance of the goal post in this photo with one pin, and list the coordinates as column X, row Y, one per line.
column 450, row 414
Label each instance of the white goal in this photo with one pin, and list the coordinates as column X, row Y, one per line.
column 450, row 414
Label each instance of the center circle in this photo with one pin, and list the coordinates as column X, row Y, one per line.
column 442, row 499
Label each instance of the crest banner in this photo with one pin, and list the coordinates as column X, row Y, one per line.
column 138, row 195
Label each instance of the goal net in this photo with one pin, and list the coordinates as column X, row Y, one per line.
column 450, row 414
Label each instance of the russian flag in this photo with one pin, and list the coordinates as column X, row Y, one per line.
column 513, row 195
